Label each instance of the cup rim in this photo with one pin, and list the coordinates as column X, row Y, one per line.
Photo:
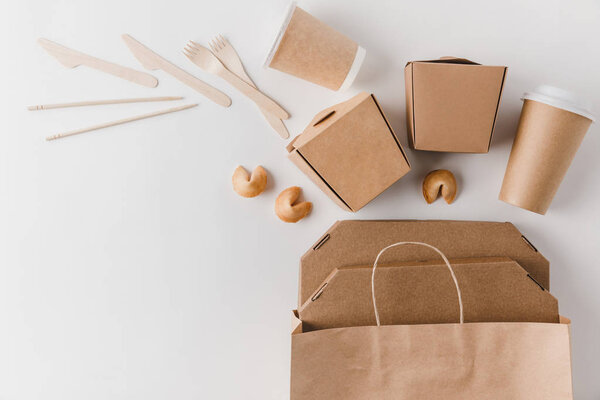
column 286, row 21
column 560, row 98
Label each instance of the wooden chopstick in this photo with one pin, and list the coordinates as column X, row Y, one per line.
column 121, row 121
column 102, row 102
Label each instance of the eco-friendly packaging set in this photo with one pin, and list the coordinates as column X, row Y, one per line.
column 309, row 49
column 476, row 327
column 451, row 104
column 552, row 125
column 351, row 152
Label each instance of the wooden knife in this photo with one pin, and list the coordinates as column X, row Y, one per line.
column 71, row 58
column 152, row 61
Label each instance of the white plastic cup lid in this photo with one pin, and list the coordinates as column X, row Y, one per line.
column 560, row 98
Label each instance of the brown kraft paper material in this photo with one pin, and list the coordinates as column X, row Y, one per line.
column 313, row 51
column 528, row 361
column 351, row 152
column 452, row 104
column 356, row 242
column 546, row 142
column 494, row 289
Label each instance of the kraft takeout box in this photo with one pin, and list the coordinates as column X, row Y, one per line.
column 356, row 242
column 452, row 104
column 494, row 289
column 351, row 152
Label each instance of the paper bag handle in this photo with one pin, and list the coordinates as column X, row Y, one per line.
column 460, row 304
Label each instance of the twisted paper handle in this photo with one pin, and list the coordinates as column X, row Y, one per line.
column 460, row 304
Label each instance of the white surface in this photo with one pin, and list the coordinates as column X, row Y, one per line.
column 129, row 269
column 560, row 98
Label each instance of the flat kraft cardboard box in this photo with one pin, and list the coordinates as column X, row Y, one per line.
column 452, row 104
column 357, row 242
column 494, row 289
column 351, row 152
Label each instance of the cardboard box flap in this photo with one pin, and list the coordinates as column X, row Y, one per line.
column 356, row 242
column 493, row 290
column 296, row 323
column 326, row 118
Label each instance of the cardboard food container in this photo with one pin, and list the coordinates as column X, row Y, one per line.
column 553, row 123
column 494, row 289
column 351, row 152
column 355, row 242
column 452, row 104
column 311, row 50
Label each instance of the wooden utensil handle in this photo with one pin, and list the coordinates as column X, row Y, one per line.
column 259, row 98
column 102, row 102
column 202, row 87
column 119, row 122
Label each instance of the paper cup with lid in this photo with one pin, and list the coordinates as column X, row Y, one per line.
column 552, row 125
column 310, row 49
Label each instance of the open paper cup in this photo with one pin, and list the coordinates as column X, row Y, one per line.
column 309, row 49
column 552, row 125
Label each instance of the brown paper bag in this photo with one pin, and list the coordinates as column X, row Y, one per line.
column 492, row 360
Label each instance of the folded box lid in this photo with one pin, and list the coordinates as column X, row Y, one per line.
column 356, row 242
column 453, row 103
column 493, row 289
column 353, row 149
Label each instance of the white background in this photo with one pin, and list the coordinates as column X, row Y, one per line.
column 129, row 269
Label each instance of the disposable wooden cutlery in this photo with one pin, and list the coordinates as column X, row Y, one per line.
column 150, row 60
column 226, row 53
column 71, row 58
column 102, row 102
column 119, row 122
column 202, row 57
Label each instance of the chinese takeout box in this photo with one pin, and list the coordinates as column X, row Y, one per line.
column 351, row 152
column 452, row 104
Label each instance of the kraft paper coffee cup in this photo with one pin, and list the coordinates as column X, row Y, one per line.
column 552, row 126
column 309, row 49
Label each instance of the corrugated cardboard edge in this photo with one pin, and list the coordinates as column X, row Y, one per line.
column 304, row 165
column 410, row 95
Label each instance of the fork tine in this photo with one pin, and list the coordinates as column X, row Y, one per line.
column 187, row 50
column 191, row 48
column 212, row 46
column 223, row 41
column 194, row 45
column 214, row 43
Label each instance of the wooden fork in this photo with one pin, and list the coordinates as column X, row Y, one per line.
column 225, row 52
column 202, row 57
